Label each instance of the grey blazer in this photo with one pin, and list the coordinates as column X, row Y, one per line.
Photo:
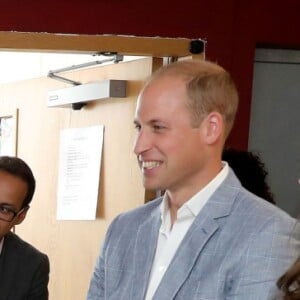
column 236, row 248
column 24, row 271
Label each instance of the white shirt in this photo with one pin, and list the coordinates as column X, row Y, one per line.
column 169, row 238
column 1, row 245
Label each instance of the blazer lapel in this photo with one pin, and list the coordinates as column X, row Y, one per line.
column 185, row 258
column 144, row 251
column 202, row 229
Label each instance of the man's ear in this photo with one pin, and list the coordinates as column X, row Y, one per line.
column 214, row 127
column 20, row 217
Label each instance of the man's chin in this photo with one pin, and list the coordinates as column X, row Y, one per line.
column 151, row 186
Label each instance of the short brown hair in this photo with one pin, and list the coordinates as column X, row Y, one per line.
column 209, row 88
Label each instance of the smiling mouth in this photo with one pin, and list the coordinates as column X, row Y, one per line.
column 150, row 164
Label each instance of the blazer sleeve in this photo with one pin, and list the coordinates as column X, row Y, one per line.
column 96, row 289
column 271, row 250
column 40, row 279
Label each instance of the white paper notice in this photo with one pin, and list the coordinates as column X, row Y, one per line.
column 79, row 172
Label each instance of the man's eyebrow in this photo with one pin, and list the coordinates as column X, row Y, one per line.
column 155, row 121
column 150, row 122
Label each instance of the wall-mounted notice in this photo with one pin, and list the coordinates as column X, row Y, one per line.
column 79, row 172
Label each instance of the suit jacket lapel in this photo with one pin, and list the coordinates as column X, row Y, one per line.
column 204, row 226
column 144, row 251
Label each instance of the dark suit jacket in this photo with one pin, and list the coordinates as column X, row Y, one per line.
column 24, row 271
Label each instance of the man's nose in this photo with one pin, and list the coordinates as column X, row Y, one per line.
column 142, row 142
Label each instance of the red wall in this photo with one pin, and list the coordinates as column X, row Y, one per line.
column 231, row 28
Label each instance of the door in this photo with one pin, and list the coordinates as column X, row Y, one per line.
column 275, row 122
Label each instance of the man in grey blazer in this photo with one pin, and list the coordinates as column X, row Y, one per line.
column 24, row 270
column 207, row 237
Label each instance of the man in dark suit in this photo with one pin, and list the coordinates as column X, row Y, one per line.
column 24, row 270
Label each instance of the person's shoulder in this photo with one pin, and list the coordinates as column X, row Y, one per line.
column 264, row 212
column 26, row 249
column 26, row 260
column 247, row 203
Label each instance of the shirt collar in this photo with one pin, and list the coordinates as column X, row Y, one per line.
column 195, row 204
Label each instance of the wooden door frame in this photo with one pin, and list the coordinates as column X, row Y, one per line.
column 94, row 44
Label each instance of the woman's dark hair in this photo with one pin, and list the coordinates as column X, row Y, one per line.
column 17, row 167
column 250, row 170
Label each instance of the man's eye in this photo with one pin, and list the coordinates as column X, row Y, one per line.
column 158, row 127
column 4, row 210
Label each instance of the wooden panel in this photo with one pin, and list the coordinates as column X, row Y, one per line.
column 126, row 45
column 73, row 246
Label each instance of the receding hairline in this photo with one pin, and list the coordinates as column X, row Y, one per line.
column 204, row 80
column 187, row 69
